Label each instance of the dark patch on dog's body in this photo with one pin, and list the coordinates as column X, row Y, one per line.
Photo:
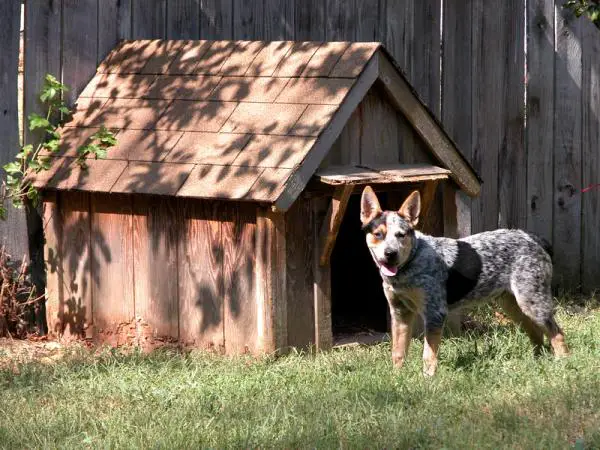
column 463, row 274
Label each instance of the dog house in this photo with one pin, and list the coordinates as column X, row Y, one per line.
column 226, row 215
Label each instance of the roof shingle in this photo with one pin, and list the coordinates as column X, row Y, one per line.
column 208, row 119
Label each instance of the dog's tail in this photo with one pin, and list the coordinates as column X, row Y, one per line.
column 544, row 244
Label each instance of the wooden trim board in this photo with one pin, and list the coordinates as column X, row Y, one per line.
column 333, row 221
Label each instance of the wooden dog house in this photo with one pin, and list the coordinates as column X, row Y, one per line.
column 212, row 221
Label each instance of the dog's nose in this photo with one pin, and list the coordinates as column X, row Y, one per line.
column 390, row 253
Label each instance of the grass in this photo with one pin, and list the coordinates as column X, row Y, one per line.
column 490, row 392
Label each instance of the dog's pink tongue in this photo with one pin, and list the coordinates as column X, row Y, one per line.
column 388, row 271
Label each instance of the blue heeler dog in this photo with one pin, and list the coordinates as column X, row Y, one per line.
column 425, row 276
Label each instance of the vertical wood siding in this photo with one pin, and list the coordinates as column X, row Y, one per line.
column 516, row 86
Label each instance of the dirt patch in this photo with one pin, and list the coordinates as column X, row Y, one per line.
column 18, row 351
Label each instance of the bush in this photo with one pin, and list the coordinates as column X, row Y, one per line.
column 18, row 298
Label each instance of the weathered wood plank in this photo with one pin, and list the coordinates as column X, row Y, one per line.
column 13, row 231
column 248, row 20
column 426, row 127
column 333, row 220
column 368, row 21
column 341, row 20
column 457, row 111
column 279, row 20
column 183, row 19
column 350, row 139
column 155, row 238
column 240, row 310
column 399, row 30
column 512, row 163
column 111, row 268
column 425, row 54
column 489, row 92
column 114, row 24
column 540, row 116
column 149, row 19
column 310, row 20
column 567, row 150
column 450, row 210
column 590, row 93
column 322, row 281
column 75, row 309
column 379, row 133
column 200, row 275
column 299, row 269
column 271, row 280
column 54, row 263
column 379, row 174
column 216, row 21
column 80, row 45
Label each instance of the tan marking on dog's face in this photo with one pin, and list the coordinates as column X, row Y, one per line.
column 377, row 236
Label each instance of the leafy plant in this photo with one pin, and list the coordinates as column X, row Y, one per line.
column 589, row 8
column 33, row 159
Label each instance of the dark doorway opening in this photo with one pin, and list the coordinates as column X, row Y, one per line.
column 358, row 305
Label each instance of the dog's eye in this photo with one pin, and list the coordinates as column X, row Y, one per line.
column 400, row 234
column 378, row 235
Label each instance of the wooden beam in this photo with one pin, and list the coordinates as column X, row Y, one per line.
column 333, row 221
column 450, row 210
column 426, row 126
column 271, row 281
column 298, row 181
column 322, row 281
column 427, row 196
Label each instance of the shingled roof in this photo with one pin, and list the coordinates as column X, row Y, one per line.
column 216, row 119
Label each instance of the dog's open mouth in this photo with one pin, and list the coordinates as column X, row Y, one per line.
column 387, row 269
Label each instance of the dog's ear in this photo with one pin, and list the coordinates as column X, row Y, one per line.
column 369, row 205
column 411, row 208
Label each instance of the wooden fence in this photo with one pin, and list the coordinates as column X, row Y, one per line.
column 516, row 83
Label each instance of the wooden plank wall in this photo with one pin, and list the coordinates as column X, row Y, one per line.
column 13, row 232
column 531, row 135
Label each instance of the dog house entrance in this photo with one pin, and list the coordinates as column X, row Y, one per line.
column 359, row 310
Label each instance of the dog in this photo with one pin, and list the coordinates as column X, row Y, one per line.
column 426, row 276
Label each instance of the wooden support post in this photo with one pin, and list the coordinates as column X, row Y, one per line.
column 271, row 275
column 450, row 210
column 322, row 281
column 427, row 198
column 333, row 221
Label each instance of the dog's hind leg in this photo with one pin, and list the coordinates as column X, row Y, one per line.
column 531, row 287
column 508, row 302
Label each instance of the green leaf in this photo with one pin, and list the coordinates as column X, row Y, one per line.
column 36, row 121
column 46, row 163
column 33, row 164
column 101, row 153
column 63, row 109
column 2, row 212
column 52, row 145
column 48, row 94
column 12, row 167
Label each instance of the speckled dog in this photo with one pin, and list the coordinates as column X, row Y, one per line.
column 425, row 276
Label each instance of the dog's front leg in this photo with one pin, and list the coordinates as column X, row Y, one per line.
column 402, row 321
column 431, row 346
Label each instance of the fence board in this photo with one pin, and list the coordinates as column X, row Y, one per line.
column 567, row 149
column 457, row 111
column 590, row 239
column 149, row 19
column 247, row 19
column 216, row 21
column 80, row 45
column 13, row 232
column 183, row 19
column 369, row 21
column 279, row 20
column 310, row 20
column 489, row 85
column 341, row 20
column 114, row 24
column 512, row 164
column 540, row 116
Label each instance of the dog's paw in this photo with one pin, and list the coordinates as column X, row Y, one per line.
column 398, row 361
column 429, row 368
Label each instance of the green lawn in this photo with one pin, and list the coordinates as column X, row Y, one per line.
column 490, row 392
